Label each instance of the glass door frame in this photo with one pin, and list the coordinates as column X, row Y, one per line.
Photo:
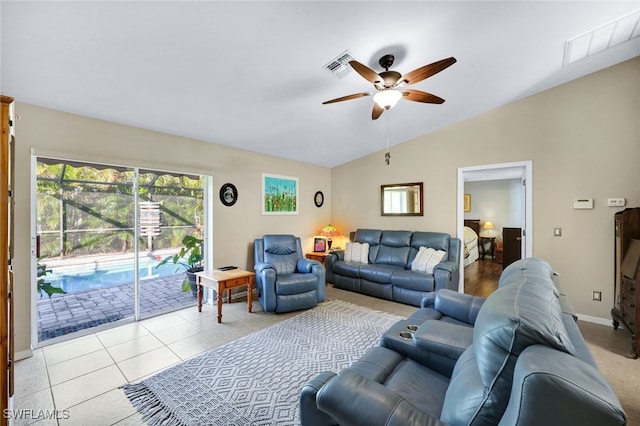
column 207, row 236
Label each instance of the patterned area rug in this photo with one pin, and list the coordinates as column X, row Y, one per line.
column 256, row 380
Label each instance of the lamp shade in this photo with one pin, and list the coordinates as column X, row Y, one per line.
column 329, row 231
column 488, row 230
column 387, row 98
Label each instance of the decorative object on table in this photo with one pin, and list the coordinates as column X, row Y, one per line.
column 467, row 202
column 319, row 245
column 228, row 194
column 191, row 258
column 318, row 199
column 286, row 281
column 329, row 232
column 390, row 85
column 259, row 376
column 401, row 199
column 488, row 230
column 279, row 195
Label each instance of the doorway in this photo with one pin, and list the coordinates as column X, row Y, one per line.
column 522, row 171
column 101, row 234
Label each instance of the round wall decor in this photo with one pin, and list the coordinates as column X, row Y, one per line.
column 319, row 199
column 228, row 194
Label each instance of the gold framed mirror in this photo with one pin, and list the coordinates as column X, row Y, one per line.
column 401, row 199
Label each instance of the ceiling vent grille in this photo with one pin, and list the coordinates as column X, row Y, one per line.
column 340, row 65
column 601, row 38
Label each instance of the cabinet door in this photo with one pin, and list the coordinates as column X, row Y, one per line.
column 511, row 245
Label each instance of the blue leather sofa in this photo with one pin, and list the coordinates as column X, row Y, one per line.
column 518, row 359
column 388, row 273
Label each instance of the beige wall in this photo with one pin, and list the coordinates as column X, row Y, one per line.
column 55, row 133
column 584, row 141
column 583, row 138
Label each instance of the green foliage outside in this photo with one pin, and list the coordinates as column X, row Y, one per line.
column 87, row 211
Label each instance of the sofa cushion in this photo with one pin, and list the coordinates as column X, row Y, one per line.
column 281, row 251
column 434, row 240
column 412, row 280
column 371, row 237
column 518, row 315
column 346, row 269
column 379, row 273
column 287, row 284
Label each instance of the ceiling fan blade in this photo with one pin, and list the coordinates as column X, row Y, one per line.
column 366, row 72
column 347, row 98
column 377, row 111
column 420, row 96
column 425, row 71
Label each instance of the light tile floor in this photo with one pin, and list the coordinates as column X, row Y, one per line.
column 80, row 379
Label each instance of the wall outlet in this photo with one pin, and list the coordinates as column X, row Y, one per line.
column 557, row 232
column 597, row 296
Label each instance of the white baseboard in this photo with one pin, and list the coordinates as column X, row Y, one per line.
column 595, row 320
column 23, row 354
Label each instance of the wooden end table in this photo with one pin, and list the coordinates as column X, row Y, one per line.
column 225, row 280
column 319, row 256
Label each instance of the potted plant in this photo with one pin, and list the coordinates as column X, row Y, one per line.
column 43, row 285
column 191, row 258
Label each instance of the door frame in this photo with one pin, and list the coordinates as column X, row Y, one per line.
column 208, row 197
column 518, row 169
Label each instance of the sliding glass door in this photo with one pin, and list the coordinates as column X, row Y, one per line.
column 102, row 234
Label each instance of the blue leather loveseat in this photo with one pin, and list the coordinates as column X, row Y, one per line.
column 388, row 273
column 516, row 358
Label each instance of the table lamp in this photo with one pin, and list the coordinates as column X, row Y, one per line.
column 488, row 230
column 328, row 232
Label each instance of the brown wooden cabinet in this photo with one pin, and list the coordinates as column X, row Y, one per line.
column 6, row 253
column 626, row 275
column 511, row 245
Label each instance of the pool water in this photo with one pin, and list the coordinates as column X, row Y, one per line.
column 107, row 274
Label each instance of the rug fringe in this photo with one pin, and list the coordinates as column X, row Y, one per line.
column 153, row 411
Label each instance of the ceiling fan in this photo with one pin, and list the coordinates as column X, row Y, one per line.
column 389, row 84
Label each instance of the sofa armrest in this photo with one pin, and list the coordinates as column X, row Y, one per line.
column 262, row 266
column 570, row 390
column 305, row 265
column 461, row 306
column 443, row 338
column 446, row 275
column 309, row 413
column 329, row 260
column 352, row 399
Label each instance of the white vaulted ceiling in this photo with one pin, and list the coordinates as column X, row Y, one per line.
column 250, row 74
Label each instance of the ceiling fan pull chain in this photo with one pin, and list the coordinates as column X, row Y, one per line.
column 387, row 155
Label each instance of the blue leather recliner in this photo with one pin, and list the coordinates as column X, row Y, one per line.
column 515, row 358
column 285, row 280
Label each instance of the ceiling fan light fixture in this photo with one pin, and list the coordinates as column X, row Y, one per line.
column 387, row 98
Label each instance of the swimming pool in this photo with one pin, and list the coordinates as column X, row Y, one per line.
column 96, row 275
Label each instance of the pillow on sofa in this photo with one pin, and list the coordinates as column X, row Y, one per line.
column 426, row 259
column 356, row 252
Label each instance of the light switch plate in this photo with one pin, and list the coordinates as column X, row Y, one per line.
column 616, row 202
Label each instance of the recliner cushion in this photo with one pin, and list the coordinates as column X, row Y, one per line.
column 281, row 251
column 287, row 284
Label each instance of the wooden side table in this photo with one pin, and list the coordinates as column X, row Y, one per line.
column 225, row 280
column 492, row 246
column 320, row 257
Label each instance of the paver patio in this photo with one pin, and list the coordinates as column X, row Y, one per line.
column 65, row 313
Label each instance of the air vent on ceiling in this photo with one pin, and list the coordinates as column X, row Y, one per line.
column 340, row 65
column 603, row 37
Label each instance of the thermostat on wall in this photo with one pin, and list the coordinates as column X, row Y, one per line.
column 583, row 203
